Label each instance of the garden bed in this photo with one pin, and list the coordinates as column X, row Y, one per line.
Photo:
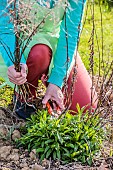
column 17, row 159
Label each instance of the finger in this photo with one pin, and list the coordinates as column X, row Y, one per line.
column 17, row 79
column 61, row 106
column 12, row 72
column 56, row 108
column 55, row 114
column 60, row 96
column 59, row 111
column 45, row 99
column 60, row 103
column 21, row 79
column 12, row 76
column 24, row 70
column 54, row 105
column 13, row 81
column 57, row 99
column 44, row 106
column 17, row 82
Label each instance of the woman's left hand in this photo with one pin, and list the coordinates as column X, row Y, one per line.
column 54, row 93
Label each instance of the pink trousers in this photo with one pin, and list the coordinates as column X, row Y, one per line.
column 38, row 64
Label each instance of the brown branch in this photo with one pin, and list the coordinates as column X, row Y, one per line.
column 34, row 31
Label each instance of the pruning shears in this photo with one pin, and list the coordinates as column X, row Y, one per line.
column 55, row 113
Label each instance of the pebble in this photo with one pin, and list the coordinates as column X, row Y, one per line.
column 16, row 135
column 5, row 151
column 21, row 156
column 111, row 97
column 23, row 165
column 2, row 114
column 15, row 150
column 17, row 162
column 25, row 168
column 13, row 157
column 33, row 154
column 6, row 168
column 26, row 153
column 45, row 163
column 3, row 130
column 37, row 167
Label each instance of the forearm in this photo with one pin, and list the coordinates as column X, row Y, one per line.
column 72, row 25
column 7, row 36
column 7, row 48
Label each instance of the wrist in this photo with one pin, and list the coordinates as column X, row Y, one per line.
column 52, row 84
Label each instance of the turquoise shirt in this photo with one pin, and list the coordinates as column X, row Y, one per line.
column 57, row 42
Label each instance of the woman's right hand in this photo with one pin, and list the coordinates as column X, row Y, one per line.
column 18, row 78
column 54, row 93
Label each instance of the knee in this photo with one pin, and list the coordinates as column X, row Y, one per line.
column 39, row 53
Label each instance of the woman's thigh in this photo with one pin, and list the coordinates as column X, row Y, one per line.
column 83, row 94
column 38, row 62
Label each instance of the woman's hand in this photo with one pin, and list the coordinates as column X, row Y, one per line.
column 54, row 93
column 17, row 77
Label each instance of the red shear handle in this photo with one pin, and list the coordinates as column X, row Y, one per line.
column 54, row 112
column 49, row 108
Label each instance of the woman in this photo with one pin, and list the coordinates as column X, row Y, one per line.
column 51, row 51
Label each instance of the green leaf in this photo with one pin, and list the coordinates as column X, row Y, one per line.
column 29, row 146
column 40, row 150
column 76, row 148
column 58, row 154
column 54, row 155
column 67, row 155
column 49, row 141
column 70, row 145
column 59, row 138
column 75, row 153
column 66, row 150
column 77, row 136
column 42, row 157
column 86, row 146
column 86, row 127
column 57, row 122
column 37, row 144
column 48, row 153
column 45, row 116
column 42, row 144
column 33, row 118
column 57, row 146
column 46, row 149
column 78, row 108
column 89, row 160
column 83, row 159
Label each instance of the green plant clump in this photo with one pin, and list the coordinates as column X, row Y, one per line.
column 70, row 138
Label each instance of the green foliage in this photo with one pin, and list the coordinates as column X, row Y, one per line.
column 84, row 49
column 6, row 93
column 107, row 3
column 70, row 138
